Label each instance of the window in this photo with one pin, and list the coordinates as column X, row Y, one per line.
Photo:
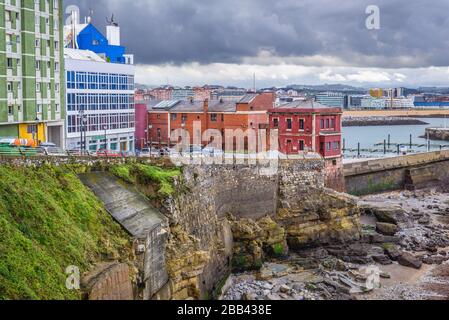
column 32, row 129
column 184, row 118
column 213, row 117
column 38, row 87
column 39, row 108
column 301, row 145
column 9, row 86
column 333, row 123
column 174, row 116
column 10, row 110
column 38, row 43
column 336, row 145
column 301, row 124
column 327, row 123
column 9, row 63
column 289, row 124
column 322, row 124
column 329, row 146
column 38, row 65
column 276, row 122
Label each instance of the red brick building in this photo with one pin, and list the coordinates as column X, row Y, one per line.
column 202, row 93
column 166, row 116
column 307, row 126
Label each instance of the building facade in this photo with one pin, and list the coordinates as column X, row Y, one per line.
column 332, row 99
column 306, row 126
column 183, row 94
column 166, row 116
column 32, row 71
column 100, row 91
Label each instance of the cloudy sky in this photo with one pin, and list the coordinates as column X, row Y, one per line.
column 194, row 42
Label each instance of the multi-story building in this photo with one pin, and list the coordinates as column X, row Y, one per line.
column 228, row 94
column 355, row 101
column 166, row 116
column 331, row 99
column 161, row 94
column 32, row 71
column 100, row 93
column 307, row 126
column 183, row 94
column 202, row 93
column 374, row 103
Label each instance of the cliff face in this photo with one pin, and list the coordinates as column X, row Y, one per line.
column 220, row 207
column 226, row 218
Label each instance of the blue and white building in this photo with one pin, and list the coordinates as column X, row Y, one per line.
column 332, row 99
column 100, row 90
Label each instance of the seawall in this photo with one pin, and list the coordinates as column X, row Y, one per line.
column 396, row 173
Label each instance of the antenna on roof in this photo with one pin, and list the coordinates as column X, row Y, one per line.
column 111, row 21
column 89, row 17
column 254, row 83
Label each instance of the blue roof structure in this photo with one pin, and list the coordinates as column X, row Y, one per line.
column 91, row 39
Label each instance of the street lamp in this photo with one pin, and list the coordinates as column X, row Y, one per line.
column 37, row 131
column 150, row 134
column 105, row 128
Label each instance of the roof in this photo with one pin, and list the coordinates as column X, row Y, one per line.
column 222, row 106
column 84, row 55
column 197, row 106
column 308, row 105
column 248, row 98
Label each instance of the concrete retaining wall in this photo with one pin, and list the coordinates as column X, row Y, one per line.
column 396, row 173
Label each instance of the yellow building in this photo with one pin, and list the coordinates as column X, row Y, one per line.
column 376, row 93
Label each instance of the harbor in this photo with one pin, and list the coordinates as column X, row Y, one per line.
column 362, row 142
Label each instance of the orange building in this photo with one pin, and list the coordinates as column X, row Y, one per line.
column 166, row 116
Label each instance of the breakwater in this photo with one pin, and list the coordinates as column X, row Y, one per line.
column 380, row 121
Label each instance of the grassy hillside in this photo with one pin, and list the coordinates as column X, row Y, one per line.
column 49, row 221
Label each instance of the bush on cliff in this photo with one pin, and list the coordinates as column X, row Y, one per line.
column 148, row 175
column 49, row 221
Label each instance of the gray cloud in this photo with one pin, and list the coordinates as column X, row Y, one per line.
column 412, row 34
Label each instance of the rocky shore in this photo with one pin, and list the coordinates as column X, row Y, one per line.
column 380, row 121
column 402, row 255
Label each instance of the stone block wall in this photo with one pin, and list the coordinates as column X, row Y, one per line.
column 108, row 281
column 396, row 173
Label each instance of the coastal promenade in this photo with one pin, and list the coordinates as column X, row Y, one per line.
column 436, row 113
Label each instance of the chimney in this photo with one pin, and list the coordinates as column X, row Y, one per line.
column 113, row 35
column 206, row 106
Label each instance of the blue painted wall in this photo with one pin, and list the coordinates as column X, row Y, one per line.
column 92, row 39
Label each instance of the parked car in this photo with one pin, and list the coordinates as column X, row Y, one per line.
column 212, row 152
column 150, row 153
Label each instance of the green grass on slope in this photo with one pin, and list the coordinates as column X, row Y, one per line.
column 146, row 175
column 49, row 221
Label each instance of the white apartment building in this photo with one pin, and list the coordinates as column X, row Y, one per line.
column 102, row 94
